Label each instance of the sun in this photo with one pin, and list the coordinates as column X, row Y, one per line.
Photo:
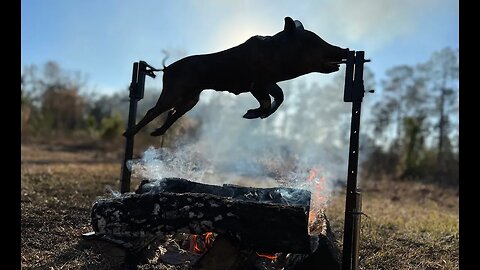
column 237, row 31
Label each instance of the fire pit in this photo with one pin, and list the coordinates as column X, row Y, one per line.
column 239, row 226
column 252, row 225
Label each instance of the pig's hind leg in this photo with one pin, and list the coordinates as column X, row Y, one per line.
column 183, row 106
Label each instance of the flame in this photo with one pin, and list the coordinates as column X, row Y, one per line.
column 209, row 239
column 318, row 198
column 200, row 243
column 267, row 256
column 194, row 246
column 313, row 174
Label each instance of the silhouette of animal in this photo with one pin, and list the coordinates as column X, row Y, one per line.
column 254, row 66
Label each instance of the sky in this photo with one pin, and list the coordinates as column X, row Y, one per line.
column 102, row 39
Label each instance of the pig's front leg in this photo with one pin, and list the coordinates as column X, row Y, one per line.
column 261, row 94
column 276, row 92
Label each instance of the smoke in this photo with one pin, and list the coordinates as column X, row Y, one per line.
column 281, row 150
column 156, row 164
column 191, row 164
column 112, row 192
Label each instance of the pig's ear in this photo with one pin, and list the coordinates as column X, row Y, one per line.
column 290, row 26
column 299, row 25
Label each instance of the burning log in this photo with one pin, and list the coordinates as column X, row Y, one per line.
column 277, row 195
column 324, row 250
column 266, row 220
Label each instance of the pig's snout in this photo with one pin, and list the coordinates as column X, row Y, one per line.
column 338, row 55
column 334, row 57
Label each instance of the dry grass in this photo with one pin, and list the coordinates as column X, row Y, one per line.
column 409, row 225
column 57, row 190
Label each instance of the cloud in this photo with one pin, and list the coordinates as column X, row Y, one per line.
column 367, row 23
column 374, row 23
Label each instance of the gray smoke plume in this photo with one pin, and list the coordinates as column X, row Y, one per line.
column 308, row 133
column 161, row 163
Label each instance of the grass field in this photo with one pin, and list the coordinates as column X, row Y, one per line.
column 406, row 225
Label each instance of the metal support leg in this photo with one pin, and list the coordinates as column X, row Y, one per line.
column 354, row 92
column 137, row 89
column 351, row 200
column 126, row 173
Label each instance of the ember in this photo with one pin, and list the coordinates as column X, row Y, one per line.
column 267, row 256
column 201, row 243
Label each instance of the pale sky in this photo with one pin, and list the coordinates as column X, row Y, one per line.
column 103, row 38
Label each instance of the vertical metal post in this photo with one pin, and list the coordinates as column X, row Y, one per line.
column 354, row 92
column 132, row 114
column 356, row 226
column 137, row 89
column 350, row 204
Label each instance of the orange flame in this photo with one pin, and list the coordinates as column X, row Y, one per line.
column 267, row 256
column 313, row 174
column 318, row 199
column 209, row 239
column 201, row 243
column 194, row 243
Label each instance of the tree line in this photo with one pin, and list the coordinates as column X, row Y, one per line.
column 409, row 126
column 416, row 118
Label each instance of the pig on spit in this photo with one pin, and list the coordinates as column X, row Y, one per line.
column 254, row 66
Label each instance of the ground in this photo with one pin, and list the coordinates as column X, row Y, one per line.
column 407, row 225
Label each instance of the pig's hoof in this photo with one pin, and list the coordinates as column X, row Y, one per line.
column 252, row 114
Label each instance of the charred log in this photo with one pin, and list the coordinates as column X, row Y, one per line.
column 325, row 252
column 266, row 226
column 277, row 195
